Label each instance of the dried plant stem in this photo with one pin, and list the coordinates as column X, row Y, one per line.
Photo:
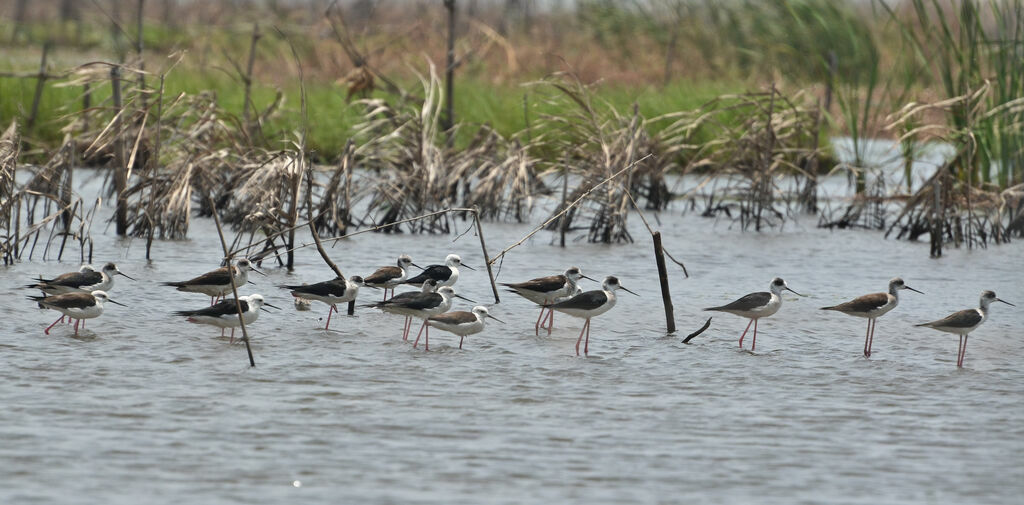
column 567, row 208
column 234, row 288
column 312, row 225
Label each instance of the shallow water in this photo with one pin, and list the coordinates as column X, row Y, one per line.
column 145, row 405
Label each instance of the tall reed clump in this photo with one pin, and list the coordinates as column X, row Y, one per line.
column 752, row 143
column 975, row 49
column 47, row 204
column 418, row 171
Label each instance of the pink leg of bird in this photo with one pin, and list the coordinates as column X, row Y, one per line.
column 426, row 341
column 232, row 336
column 867, row 338
column 47, row 330
column 406, row 327
column 586, row 343
column 578, row 340
column 540, row 319
column 83, row 323
column 550, row 320
column 753, row 343
column 745, row 333
column 424, row 325
column 76, row 326
column 460, row 341
column 329, row 312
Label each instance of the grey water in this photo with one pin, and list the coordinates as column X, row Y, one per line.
column 144, row 407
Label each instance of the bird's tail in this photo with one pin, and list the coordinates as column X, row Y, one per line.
column 829, row 308
column 173, row 284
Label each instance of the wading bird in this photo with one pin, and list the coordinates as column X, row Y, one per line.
column 217, row 283
column 85, row 280
column 872, row 307
column 965, row 321
column 757, row 305
column 546, row 291
column 589, row 304
column 331, row 292
column 445, row 275
column 225, row 313
column 460, row 322
column 390, row 277
column 78, row 306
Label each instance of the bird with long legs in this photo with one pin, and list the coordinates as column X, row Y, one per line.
column 392, row 276
column 85, row 280
column 546, row 291
column 445, row 275
column 224, row 314
column 78, row 306
column 396, row 304
column 460, row 322
column 331, row 292
column 217, row 283
column 757, row 305
column 964, row 322
column 420, row 305
column 872, row 307
column 589, row 304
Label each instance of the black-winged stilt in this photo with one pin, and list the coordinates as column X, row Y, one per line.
column 872, row 307
column 445, row 275
column 757, row 305
column 331, row 292
column 460, row 322
column 225, row 313
column 78, row 306
column 390, row 277
column 394, row 305
column 217, row 283
column 85, row 280
column 548, row 290
column 589, row 304
column 965, row 321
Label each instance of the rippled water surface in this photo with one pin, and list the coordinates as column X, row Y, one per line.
column 144, row 405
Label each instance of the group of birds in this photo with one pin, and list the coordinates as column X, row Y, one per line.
column 81, row 295
column 872, row 306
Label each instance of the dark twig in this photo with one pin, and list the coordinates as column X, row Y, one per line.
column 689, row 337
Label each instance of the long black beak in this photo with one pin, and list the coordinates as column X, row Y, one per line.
column 912, row 289
column 628, row 291
column 254, row 269
column 467, row 266
column 464, row 298
column 265, row 304
column 794, row 292
column 264, row 309
column 496, row 319
column 124, row 274
column 588, row 278
column 417, row 266
column 1006, row 302
column 123, row 305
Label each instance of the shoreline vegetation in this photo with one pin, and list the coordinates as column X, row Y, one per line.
column 204, row 108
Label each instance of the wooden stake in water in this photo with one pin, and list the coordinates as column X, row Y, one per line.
column 487, row 260
column 666, row 297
